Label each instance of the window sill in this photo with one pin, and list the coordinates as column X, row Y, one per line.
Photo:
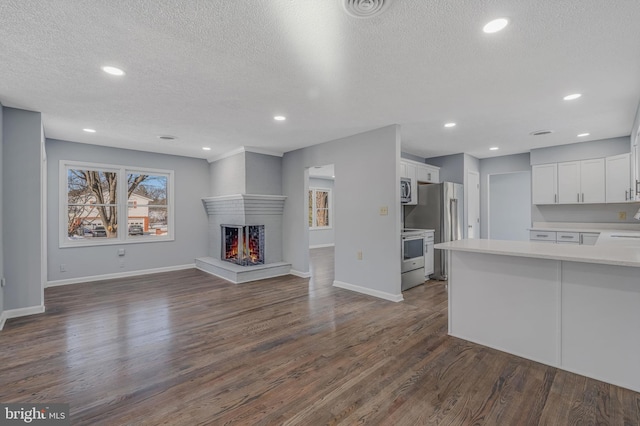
column 113, row 242
column 324, row 228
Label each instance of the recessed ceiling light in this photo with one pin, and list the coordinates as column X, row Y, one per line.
column 206, row 148
column 582, row 135
column 89, row 130
column 112, row 70
column 495, row 25
column 494, row 148
column 572, row 96
column 450, row 124
column 279, row 118
column 334, row 176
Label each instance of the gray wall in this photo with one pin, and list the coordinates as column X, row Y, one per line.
column 227, row 176
column 22, row 230
column 510, row 206
column 580, row 151
column 451, row 167
column 319, row 237
column 494, row 165
column 1, row 203
column 263, row 174
column 363, row 184
column 413, row 157
column 191, row 237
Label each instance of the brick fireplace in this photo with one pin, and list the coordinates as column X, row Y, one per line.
column 245, row 237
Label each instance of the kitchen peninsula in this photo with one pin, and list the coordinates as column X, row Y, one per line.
column 574, row 307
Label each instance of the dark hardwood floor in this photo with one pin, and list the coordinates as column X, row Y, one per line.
column 186, row 348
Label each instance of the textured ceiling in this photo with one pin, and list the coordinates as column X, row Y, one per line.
column 214, row 73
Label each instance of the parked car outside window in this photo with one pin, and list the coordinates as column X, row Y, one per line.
column 100, row 231
column 136, row 230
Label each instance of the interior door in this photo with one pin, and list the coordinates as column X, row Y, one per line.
column 473, row 204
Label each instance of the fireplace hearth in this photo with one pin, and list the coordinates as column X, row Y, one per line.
column 243, row 244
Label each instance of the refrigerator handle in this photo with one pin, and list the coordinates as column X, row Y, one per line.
column 454, row 219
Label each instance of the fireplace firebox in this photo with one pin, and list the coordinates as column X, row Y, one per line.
column 243, row 244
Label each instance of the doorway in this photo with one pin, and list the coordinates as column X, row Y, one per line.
column 473, row 204
column 509, row 206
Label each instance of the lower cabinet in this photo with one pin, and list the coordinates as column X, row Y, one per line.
column 428, row 255
column 562, row 237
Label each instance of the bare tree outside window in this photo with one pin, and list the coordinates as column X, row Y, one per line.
column 319, row 208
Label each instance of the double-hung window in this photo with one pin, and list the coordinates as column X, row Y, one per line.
column 108, row 204
column 320, row 208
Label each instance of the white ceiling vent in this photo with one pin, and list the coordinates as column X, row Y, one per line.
column 365, row 8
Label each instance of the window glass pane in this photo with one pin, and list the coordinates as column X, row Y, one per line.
column 145, row 189
column 91, row 199
column 322, row 217
column 84, row 222
column 322, row 199
column 158, row 220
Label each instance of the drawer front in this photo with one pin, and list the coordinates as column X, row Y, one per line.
column 428, row 237
column 568, row 237
column 542, row 236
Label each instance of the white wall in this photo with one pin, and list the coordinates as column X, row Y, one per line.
column 191, row 223
column 22, row 194
column 321, row 237
column 494, row 165
column 364, row 183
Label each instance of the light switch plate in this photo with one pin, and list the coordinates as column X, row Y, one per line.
column 384, row 211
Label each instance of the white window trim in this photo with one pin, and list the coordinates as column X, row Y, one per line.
column 313, row 209
column 123, row 237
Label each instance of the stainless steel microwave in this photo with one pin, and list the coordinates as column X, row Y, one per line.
column 405, row 190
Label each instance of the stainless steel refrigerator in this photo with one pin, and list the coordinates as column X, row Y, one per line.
column 440, row 207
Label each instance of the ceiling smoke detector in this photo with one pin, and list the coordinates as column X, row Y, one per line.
column 541, row 132
column 365, row 8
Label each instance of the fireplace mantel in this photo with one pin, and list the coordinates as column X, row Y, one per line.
column 244, row 204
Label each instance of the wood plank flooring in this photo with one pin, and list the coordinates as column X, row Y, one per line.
column 186, row 348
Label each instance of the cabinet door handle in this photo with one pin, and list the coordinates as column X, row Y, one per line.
column 626, row 196
column 583, row 197
column 566, row 236
column 555, row 198
column 578, row 200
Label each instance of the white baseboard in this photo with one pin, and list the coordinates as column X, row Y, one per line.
column 22, row 312
column 369, row 291
column 300, row 274
column 118, row 275
column 3, row 319
column 322, row 246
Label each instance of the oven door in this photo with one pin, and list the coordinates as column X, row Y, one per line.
column 412, row 253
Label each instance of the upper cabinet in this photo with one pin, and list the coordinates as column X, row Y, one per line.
column 418, row 172
column 594, row 181
column 545, row 184
column 620, row 187
column 581, row 182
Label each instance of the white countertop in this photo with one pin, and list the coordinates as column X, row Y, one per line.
column 611, row 249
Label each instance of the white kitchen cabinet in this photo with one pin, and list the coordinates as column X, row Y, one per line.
column 589, row 238
column 581, row 181
column 428, row 174
column 428, row 254
column 592, row 181
column 569, row 182
column 619, row 186
column 545, row 183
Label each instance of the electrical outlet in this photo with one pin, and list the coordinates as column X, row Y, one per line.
column 63, row 267
column 384, row 210
column 120, row 252
column 359, row 254
column 622, row 215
